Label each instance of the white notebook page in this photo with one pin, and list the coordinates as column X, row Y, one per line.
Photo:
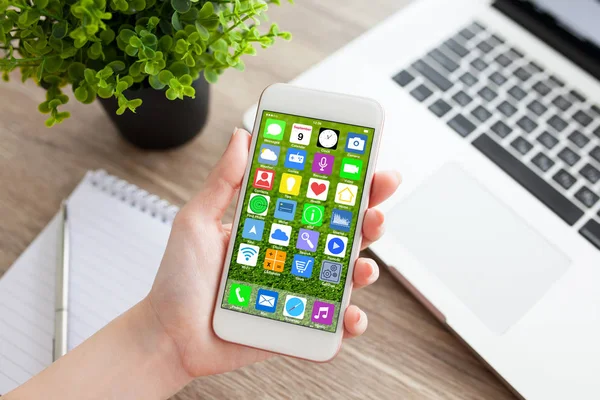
column 118, row 234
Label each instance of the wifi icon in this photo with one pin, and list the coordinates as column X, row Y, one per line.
column 248, row 254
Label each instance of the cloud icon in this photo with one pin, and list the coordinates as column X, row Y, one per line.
column 268, row 154
column 278, row 234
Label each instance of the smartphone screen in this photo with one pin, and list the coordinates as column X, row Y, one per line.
column 298, row 220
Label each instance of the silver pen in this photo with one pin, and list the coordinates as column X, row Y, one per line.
column 61, row 308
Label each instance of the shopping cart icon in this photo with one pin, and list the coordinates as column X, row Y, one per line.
column 302, row 265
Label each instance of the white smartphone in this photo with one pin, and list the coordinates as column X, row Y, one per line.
column 297, row 228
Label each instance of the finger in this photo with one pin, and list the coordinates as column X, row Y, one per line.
column 224, row 179
column 355, row 322
column 373, row 227
column 366, row 272
column 384, row 185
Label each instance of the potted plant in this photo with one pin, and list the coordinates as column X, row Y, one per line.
column 148, row 61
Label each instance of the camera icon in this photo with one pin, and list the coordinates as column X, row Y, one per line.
column 356, row 143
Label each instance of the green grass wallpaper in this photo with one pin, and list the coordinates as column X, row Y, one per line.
column 346, row 167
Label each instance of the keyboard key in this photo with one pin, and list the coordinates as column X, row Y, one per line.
column 527, row 124
column 586, row 197
column 497, row 78
column 403, row 78
column 528, row 179
column 506, row 108
column 514, row 54
column 597, row 132
column 542, row 88
column 462, row 98
column 432, row 75
column 557, row 123
column 521, row 145
column 485, row 46
column 443, row 60
column 421, row 92
column 468, row 79
column 517, row 92
column 456, row 47
column 537, row 108
column 577, row 96
column 535, row 67
column 547, row 140
column 467, row 34
column 591, row 231
column 582, row 118
column 476, row 27
column 579, row 139
column 542, row 162
column 595, row 153
column 501, row 129
column 564, row 179
column 481, row 113
column 590, row 173
column 495, row 40
column 554, row 81
column 522, row 74
column 439, row 108
column 595, row 109
column 461, row 125
column 479, row 64
column 503, row 60
column 568, row 156
column 562, row 103
column 487, row 93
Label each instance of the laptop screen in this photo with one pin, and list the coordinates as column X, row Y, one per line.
column 579, row 17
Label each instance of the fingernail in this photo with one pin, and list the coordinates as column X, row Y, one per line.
column 235, row 130
column 359, row 317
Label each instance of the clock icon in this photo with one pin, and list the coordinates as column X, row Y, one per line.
column 294, row 307
column 328, row 138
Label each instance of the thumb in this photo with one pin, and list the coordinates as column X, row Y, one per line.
column 224, row 180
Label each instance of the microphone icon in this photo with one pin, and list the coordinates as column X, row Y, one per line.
column 323, row 163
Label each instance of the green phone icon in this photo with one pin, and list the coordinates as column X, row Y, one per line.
column 312, row 214
column 351, row 168
column 239, row 295
column 274, row 129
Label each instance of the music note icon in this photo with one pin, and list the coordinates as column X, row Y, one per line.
column 322, row 313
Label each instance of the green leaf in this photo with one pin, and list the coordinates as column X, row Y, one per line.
column 60, row 29
column 81, row 93
column 171, row 94
column 41, row 4
column 219, row 45
column 53, row 63
column 43, row 108
column 202, row 31
column 181, row 6
column 206, row 11
column 126, row 35
column 178, row 69
column 155, row 82
column 117, row 66
column 189, row 16
column 148, row 53
column 165, row 43
column 150, row 41
column 175, row 21
column 210, row 75
column 165, row 27
column 106, row 92
column 135, row 42
column 131, row 51
column 107, row 36
column 185, row 80
column 240, row 66
column 135, row 69
column 165, row 76
column 75, row 71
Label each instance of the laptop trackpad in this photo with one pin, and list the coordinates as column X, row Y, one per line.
column 496, row 264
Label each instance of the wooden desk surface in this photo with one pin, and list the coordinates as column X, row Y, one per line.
column 405, row 353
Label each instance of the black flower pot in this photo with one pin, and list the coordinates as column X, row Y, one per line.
column 160, row 123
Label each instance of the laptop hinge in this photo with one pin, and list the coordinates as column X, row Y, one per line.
column 544, row 26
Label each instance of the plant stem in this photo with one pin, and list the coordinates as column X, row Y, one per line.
column 232, row 27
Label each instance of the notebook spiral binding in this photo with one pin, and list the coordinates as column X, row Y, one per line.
column 136, row 197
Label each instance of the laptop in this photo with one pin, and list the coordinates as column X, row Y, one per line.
column 493, row 118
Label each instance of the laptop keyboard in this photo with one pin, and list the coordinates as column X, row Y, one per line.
column 526, row 120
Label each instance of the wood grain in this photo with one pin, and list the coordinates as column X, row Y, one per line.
column 406, row 353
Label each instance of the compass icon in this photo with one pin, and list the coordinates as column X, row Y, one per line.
column 294, row 307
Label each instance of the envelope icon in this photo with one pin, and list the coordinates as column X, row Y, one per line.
column 266, row 301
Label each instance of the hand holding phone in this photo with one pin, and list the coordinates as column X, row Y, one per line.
column 298, row 224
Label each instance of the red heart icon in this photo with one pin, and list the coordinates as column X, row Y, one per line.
column 318, row 188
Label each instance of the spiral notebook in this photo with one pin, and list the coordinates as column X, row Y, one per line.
column 118, row 235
